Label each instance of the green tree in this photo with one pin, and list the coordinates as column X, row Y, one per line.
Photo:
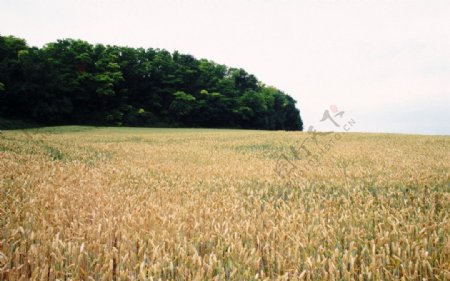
column 181, row 106
column 73, row 82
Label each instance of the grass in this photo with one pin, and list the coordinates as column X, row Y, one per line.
column 87, row 203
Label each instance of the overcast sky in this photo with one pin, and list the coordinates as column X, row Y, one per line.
column 385, row 63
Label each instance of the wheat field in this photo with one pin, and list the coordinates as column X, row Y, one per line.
column 85, row 203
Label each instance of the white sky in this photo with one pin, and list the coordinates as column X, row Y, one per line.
column 385, row 63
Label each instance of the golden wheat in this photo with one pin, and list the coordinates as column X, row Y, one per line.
column 155, row 204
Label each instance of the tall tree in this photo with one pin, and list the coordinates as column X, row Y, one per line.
column 73, row 82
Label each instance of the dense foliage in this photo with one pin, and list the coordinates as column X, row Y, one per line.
column 74, row 82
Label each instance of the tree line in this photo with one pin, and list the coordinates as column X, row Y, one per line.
column 74, row 82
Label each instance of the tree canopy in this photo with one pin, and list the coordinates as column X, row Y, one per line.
column 74, row 82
